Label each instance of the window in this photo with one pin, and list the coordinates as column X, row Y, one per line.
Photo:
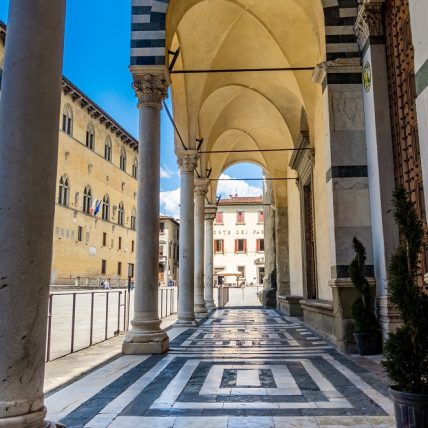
column 162, row 227
column 219, row 218
column 120, row 214
column 240, row 217
column 104, row 239
column 261, row 218
column 106, row 208
column 67, row 120
column 87, row 200
column 161, row 250
column 260, row 245
column 123, row 160
column 90, row 137
column 240, row 245
column 133, row 219
column 135, row 168
column 132, row 246
column 119, row 245
column 64, row 191
column 131, row 270
column 79, row 233
column 242, row 270
column 119, row 268
column 219, row 246
column 103, row 267
column 107, row 150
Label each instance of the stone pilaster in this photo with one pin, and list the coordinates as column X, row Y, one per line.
column 146, row 335
column 380, row 164
column 187, row 161
column 201, row 190
column 29, row 114
column 210, row 214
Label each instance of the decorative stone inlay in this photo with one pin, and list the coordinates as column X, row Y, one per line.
column 369, row 22
column 187, row 160
column 201, row 186
column 150, row 89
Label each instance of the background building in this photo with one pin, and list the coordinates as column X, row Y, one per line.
column 239, row 239
column 168, row 250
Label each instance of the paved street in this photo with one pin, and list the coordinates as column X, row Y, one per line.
column 62, row 315
column 240, row 368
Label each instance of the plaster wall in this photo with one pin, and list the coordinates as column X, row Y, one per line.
column 229, row 231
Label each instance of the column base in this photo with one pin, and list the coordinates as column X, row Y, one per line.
column 186, row 323
column 137, row 343
column 30, row 420
column 201, row 315
column 210, row 305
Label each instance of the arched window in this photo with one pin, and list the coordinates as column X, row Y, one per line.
column 106, row 208
column 64, row 191
column 107, row 149
column 123, row 160
column 120, row 214
column 133, row 219
column 135, row 168
column 90, row 137
column 87, row 200
column 67, row 120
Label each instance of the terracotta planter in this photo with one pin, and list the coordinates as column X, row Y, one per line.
column 411, row 410
column 369, row 343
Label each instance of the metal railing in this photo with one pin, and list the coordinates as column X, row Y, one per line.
column 222, row 297
column 80, row 319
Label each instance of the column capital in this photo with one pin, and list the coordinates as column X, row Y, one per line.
column 187, row 160
column 201, row 186
column 369, row 22
column 210, row 212
column 337, row 66
column 151, row 89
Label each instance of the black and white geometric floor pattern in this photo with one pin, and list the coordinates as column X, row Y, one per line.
column 240, row 368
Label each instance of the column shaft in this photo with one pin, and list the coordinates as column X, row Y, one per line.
column 146, row 336
column 187, row 162
column 201, row 188
column 29, row 117
column 209, row 258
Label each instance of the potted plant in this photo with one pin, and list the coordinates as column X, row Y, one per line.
column 406, row 350
column 367, row 334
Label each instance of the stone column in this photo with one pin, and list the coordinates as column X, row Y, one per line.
column 282, row 256
column 187, row 160
column 29, row 118
column 210, row 213
column 380, row 163
column 146, row 335
column 201, row 189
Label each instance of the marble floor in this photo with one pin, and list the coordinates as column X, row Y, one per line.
column 240, row 368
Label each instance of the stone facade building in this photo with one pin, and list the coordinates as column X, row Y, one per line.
column 169, row 232
column 329, row 97
column 239, row 239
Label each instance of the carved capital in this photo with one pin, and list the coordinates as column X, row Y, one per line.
column 339, row 65
column 369, row 22
column 187, row 160
column 210, row 212
column 150, row 89
column 201, row 186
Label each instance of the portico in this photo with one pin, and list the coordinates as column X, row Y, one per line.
column 278, row 83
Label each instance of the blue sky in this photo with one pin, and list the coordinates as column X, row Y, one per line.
column 96, row 58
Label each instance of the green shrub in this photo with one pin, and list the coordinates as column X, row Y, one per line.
column 363, row 309
column 406, row 350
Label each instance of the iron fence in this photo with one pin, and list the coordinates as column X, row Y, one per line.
column 80, row 319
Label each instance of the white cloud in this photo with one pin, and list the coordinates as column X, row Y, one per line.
column 170, row 200
column 170, row 203
column 240, row 187
column 166, row 172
